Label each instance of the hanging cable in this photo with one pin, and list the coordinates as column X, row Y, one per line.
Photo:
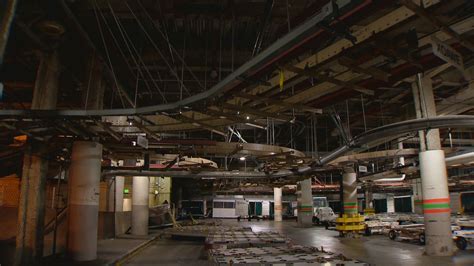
column 107, row 53
column 363, row 111
column 89, row 81
column 155, row 46
column 166, row 38
column 138, row 59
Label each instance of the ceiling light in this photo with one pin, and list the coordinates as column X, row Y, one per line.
column 248, row 117
column 242, row 158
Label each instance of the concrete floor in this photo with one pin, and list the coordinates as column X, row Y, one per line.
column 376, row 250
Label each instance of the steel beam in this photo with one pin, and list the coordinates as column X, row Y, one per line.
column 274, row 52
column 5, row 24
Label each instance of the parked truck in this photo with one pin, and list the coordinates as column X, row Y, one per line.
column 322, row 213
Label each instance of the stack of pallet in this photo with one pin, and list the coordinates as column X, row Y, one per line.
column 279, row 255
column 244, row 239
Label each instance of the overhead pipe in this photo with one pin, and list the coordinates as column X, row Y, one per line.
column 283, row 46
column 194, row 174
column 371, row 135
column 395, row 129
column 393, row 175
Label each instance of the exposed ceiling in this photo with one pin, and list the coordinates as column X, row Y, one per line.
column 351, row 72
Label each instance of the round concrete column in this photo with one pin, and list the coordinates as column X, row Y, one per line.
column 436, row 208
column 119, row 185
column 417, row 195
column 140, row 195
column 349, row 184
column 305, row 203
column 277, row 194
column 369, row 197
column 83, row 203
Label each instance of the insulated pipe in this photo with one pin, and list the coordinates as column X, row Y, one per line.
column 278, row 207
column 282, row 47
column 83, row 203
column 465, row 158
column 437, row 213
column 140, row 196
column 400, row 128
column 383, row 132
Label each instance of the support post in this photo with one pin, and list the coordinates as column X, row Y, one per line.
column 369, row 197
column 93, row 92
column 277, row 205
column 31, row 211
column 437, row 212
column 349, row 183
column 305, row 203
column 140, row 197
column 119, row 186
column 83, row 204
column 417, row 196
column 47, row 82
column 8, row 12
column 434, row 179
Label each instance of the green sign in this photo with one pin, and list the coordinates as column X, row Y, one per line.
column 126, row 191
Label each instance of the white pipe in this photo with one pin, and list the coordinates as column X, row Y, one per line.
column 465, row 158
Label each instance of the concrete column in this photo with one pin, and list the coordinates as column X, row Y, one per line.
column 305, row 203
column 349, row 184
column 83, row 204
column 140, row 197
column 369, row 197
column 180, row 198
column 31, row 209
column 390, row 203
column 7, row 12
column 417, row 196
column 277, row 205
column 436, row 208
column 47, row 82
column 434, row 180
column 93, row 91
column 119, row 186
column 110, row 195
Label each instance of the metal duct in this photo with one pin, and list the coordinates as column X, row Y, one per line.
column 387, row 131
column 274, row 52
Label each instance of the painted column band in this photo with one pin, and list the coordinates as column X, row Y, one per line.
column 350, row 205
column 305, row 208
column 439, row 205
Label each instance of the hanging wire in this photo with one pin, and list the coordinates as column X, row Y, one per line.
column 205, row 61
column 153, row 22
column 137, row 58
column 107, row 52
column 221, row 32
column 363, row 111
column 89, row 81
column 182, row 66
column 288, row 15
column 155, row 46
